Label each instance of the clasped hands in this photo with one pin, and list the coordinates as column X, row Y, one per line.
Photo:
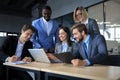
column 14, row 58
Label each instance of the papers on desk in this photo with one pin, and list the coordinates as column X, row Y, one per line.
column 17, row 62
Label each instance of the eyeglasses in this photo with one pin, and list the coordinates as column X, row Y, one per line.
column 79, row 14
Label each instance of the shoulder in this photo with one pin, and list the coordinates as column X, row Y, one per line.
column 54, row 21
column 36, row 20
column 58, row 44
column 29, row 42
column 91, row 20
column 75, row 44
column 12, row 38
column 98, row 37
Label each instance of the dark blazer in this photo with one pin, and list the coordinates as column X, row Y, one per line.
column 58, row 48
column 92, row 26
column 9, row 47
column 97, row 50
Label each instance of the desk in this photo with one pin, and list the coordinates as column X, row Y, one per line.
column 90, row 72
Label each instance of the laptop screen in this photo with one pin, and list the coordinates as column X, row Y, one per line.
column 39, row 55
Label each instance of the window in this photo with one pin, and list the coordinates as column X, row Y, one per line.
column 4, row 34
column 108, row 18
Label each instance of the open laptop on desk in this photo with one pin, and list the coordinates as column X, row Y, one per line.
column 64, row 57
column 39, row 55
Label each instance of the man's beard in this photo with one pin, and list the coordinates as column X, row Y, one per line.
column 80, row 39
column 47, row 19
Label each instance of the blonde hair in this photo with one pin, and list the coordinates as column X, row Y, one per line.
column 84, row 14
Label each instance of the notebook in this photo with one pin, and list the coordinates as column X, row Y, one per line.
column 39, row 55
column 17, row 62
column 64, row 57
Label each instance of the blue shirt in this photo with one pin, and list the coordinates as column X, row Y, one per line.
column 64, row 47
column 48, row 25
column 87, row 44
column 19, row 49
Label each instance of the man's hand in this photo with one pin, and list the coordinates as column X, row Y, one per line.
column 14, row 58
column 27, row 59
column 51, row 56
column 78, row 62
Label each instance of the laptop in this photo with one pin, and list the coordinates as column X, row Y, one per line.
column 64, row 57
column 39, row 55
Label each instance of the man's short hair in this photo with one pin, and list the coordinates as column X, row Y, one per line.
column 47, row 7
column 28, row 26
column 80, row 27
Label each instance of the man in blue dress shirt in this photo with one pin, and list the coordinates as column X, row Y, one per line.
column 46, row 34
column 91, row 48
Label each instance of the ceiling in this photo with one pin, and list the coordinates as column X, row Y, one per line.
column 19, row 7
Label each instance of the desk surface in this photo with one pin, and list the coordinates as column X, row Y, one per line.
column 91, row 72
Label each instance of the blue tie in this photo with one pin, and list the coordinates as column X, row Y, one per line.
column 85, row 47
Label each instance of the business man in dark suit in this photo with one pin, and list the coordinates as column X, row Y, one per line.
column 15, row 49
column 91, row 48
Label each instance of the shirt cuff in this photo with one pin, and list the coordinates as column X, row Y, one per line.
column 36, row 46
column 88, row 62
column 6, row 60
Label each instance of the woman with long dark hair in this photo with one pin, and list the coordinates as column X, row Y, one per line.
column 64, row 44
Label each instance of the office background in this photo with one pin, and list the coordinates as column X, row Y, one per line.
column 106, row 13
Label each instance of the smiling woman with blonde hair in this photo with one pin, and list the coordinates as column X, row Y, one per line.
column 80, row 15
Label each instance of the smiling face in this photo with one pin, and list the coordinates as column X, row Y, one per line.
column 46, row 14
column 79, row 15
column 26, row 35
column 62, row 35
column 77, row 35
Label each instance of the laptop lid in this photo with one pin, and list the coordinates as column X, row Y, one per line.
column 39, row 55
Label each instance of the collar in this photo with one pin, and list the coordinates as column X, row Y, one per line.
column 20, row 42
column 87, row 39
column 86, row 22
column 45, row 20
column 64, row 43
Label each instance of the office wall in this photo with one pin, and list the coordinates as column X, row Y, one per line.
column 12, row 23
column 62, row 7
column 59, row 7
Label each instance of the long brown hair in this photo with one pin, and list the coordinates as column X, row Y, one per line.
column 66, row 29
